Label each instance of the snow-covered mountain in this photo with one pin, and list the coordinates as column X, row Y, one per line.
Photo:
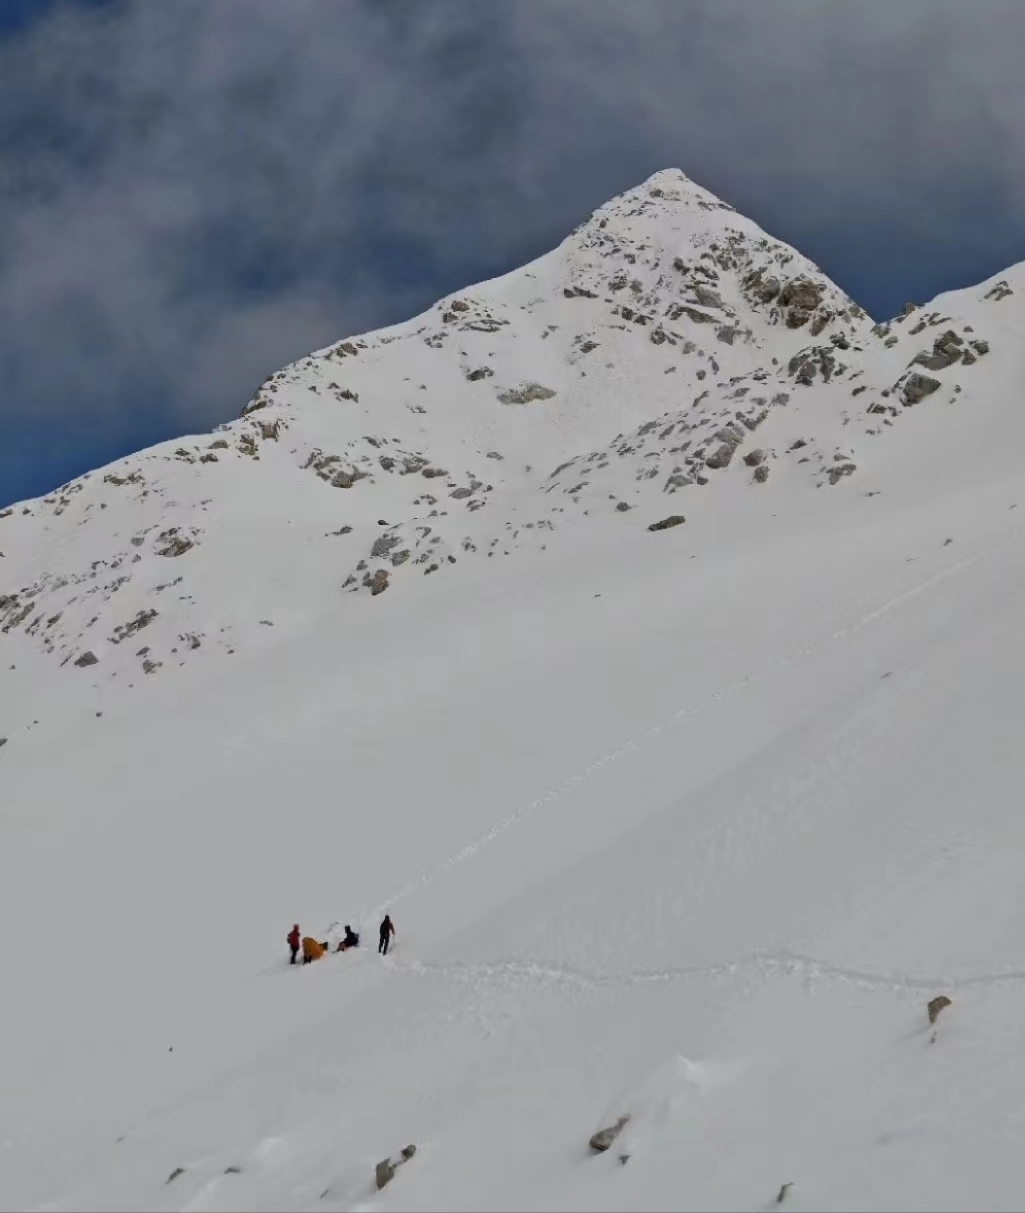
column 640, row 628
column 608, row 375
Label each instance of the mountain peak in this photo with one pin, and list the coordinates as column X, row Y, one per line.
column 627, row 366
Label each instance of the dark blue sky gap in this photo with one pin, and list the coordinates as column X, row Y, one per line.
column 193, row 194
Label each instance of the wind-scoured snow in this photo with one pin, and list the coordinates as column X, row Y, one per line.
column 684, row 825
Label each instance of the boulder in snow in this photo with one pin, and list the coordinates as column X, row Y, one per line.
column 177, row 545
column 385, row 1170
column 603, row 1139
column 525, row 394
column 916, row 387
column 936, row 1005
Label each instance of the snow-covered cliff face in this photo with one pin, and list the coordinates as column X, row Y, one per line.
column 666, row 346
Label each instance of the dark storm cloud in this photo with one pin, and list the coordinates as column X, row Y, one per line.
column 194, row 193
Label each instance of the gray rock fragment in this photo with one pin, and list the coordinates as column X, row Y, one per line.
column 604, row 1138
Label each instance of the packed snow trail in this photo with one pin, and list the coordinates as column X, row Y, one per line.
column 768, row 965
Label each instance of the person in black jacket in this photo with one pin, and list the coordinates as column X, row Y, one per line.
column 351, row 940
column 387, row 931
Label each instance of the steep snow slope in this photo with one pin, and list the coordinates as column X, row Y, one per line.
column 688, row 825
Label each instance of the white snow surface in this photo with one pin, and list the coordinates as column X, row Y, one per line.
column 686, row 825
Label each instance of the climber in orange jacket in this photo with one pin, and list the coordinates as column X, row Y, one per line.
column 312, row 950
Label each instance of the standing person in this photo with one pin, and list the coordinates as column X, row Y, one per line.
column 293, row 938
column 387, row 931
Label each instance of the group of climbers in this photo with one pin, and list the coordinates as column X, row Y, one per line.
column 312, row 949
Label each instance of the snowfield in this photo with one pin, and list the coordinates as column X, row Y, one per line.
column 686, row 825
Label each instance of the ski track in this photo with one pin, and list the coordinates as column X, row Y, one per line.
column 679, row 716
column 762, row 964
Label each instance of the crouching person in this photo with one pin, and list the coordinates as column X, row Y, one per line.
column 312, row 950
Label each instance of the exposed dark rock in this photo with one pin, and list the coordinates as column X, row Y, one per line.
column 525, row 394
column 916, row 387
column 764, row 288
column 754, row 458
column 946, row 350
column 761, row 473
column 142, row 620
column 176, row 545
column 379, row 582
column 603, row 1139
column 87, row 658
column 730, row 437
column 936, row 1005
column 706, row 296
column 383, row 545
column 802, row 293
column 666, row 523
column 807, row 363
column 692, row 313
column 838, row 471
column 385, row 1170
column 482, row 372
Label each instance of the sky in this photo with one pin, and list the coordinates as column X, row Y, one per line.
column 194, row 194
